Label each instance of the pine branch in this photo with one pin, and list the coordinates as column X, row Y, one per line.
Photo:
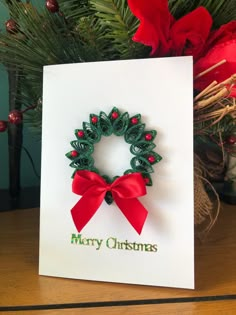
column 226, row 126
column 73, row 10
column 93, row 35
column 31, row 48
column 116, row 15
column 222, row 11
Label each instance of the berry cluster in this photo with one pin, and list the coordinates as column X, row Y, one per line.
column 52, row 6
column 12, row 26
column 15, row 117
column 231, row 140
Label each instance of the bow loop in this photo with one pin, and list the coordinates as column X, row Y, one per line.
column 93, row 188
column 129, row 186
column 84, row 180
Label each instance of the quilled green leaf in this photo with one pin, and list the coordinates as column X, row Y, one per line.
column 69, row 156
column 92, row 169
column 156, row 157
column 121, row 124
column 83, row 147
column 114, row 109
column 149, row 135
column 134, row 120
column 79, row 133
column 141, row 147
column 147, row 179
column 107, row 179
column 83, row 163
column 93, row 119
column 129, row 171
column 92, row 133
column 104, row 124
column 134, row 133
column 140, row 164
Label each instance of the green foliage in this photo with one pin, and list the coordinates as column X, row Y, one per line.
column 93, row 35
column 74, row 9
column 222, row 11
column 83, row 31
column 214, row 135
column 226, row 126
column 121, row 24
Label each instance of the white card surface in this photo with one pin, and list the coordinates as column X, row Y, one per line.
column 161, row 91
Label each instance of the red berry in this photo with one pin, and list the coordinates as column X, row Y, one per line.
column 11, row 26
column 3, row 125
column 146, row 180
column 74, row 153
column 15, row 117
column 52, row 6
column 151, row 159
column 231, row 140
column 148, row 137
column 114, row 115
column 134, row 121
column 80, row 134
column 94, row 119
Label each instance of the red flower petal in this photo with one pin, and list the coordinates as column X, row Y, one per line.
column 225, row 33
column 189, row 33
column 155, row 20
column 216, row 54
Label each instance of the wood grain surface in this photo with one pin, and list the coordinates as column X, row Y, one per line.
column 20, row 284
column 207, row 308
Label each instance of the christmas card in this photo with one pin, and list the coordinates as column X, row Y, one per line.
column 117, row 172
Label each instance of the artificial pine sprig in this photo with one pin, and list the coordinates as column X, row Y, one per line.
column 80, row 31
column 222, row 11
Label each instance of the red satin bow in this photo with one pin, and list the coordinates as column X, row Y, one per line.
column 93, row 188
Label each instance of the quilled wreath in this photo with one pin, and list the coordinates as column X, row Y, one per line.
column 87, row 179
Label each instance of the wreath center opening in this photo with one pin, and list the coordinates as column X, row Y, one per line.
column 112, row 155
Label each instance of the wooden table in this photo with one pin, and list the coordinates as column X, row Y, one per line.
column 23, row 291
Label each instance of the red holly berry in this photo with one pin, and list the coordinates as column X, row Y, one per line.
column 94, row 119
column 52, row 6
column 231, row 140
column 134, row 121
column 3, row 125
column 114, row 115
column 148, row 137
column 151, row 159
column 11, row 26
column 74, row 153
column 80, row 134
column 15, row 117
column 146, row 180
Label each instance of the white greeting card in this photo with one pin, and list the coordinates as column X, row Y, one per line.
column 108, row 247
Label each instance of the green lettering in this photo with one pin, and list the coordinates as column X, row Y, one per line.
column 111, row 242
column 154, row 248
column 75, row 239
column 148, row 247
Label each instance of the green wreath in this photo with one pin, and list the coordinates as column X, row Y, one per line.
column 133, row 130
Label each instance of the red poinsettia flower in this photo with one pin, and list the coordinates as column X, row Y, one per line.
column 155, row 20
column 189, row 34
column 221, row 45
column 166, row 36
column 225, row 33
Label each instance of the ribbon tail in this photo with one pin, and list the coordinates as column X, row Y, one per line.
column 86, row 207
column 134, row 212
